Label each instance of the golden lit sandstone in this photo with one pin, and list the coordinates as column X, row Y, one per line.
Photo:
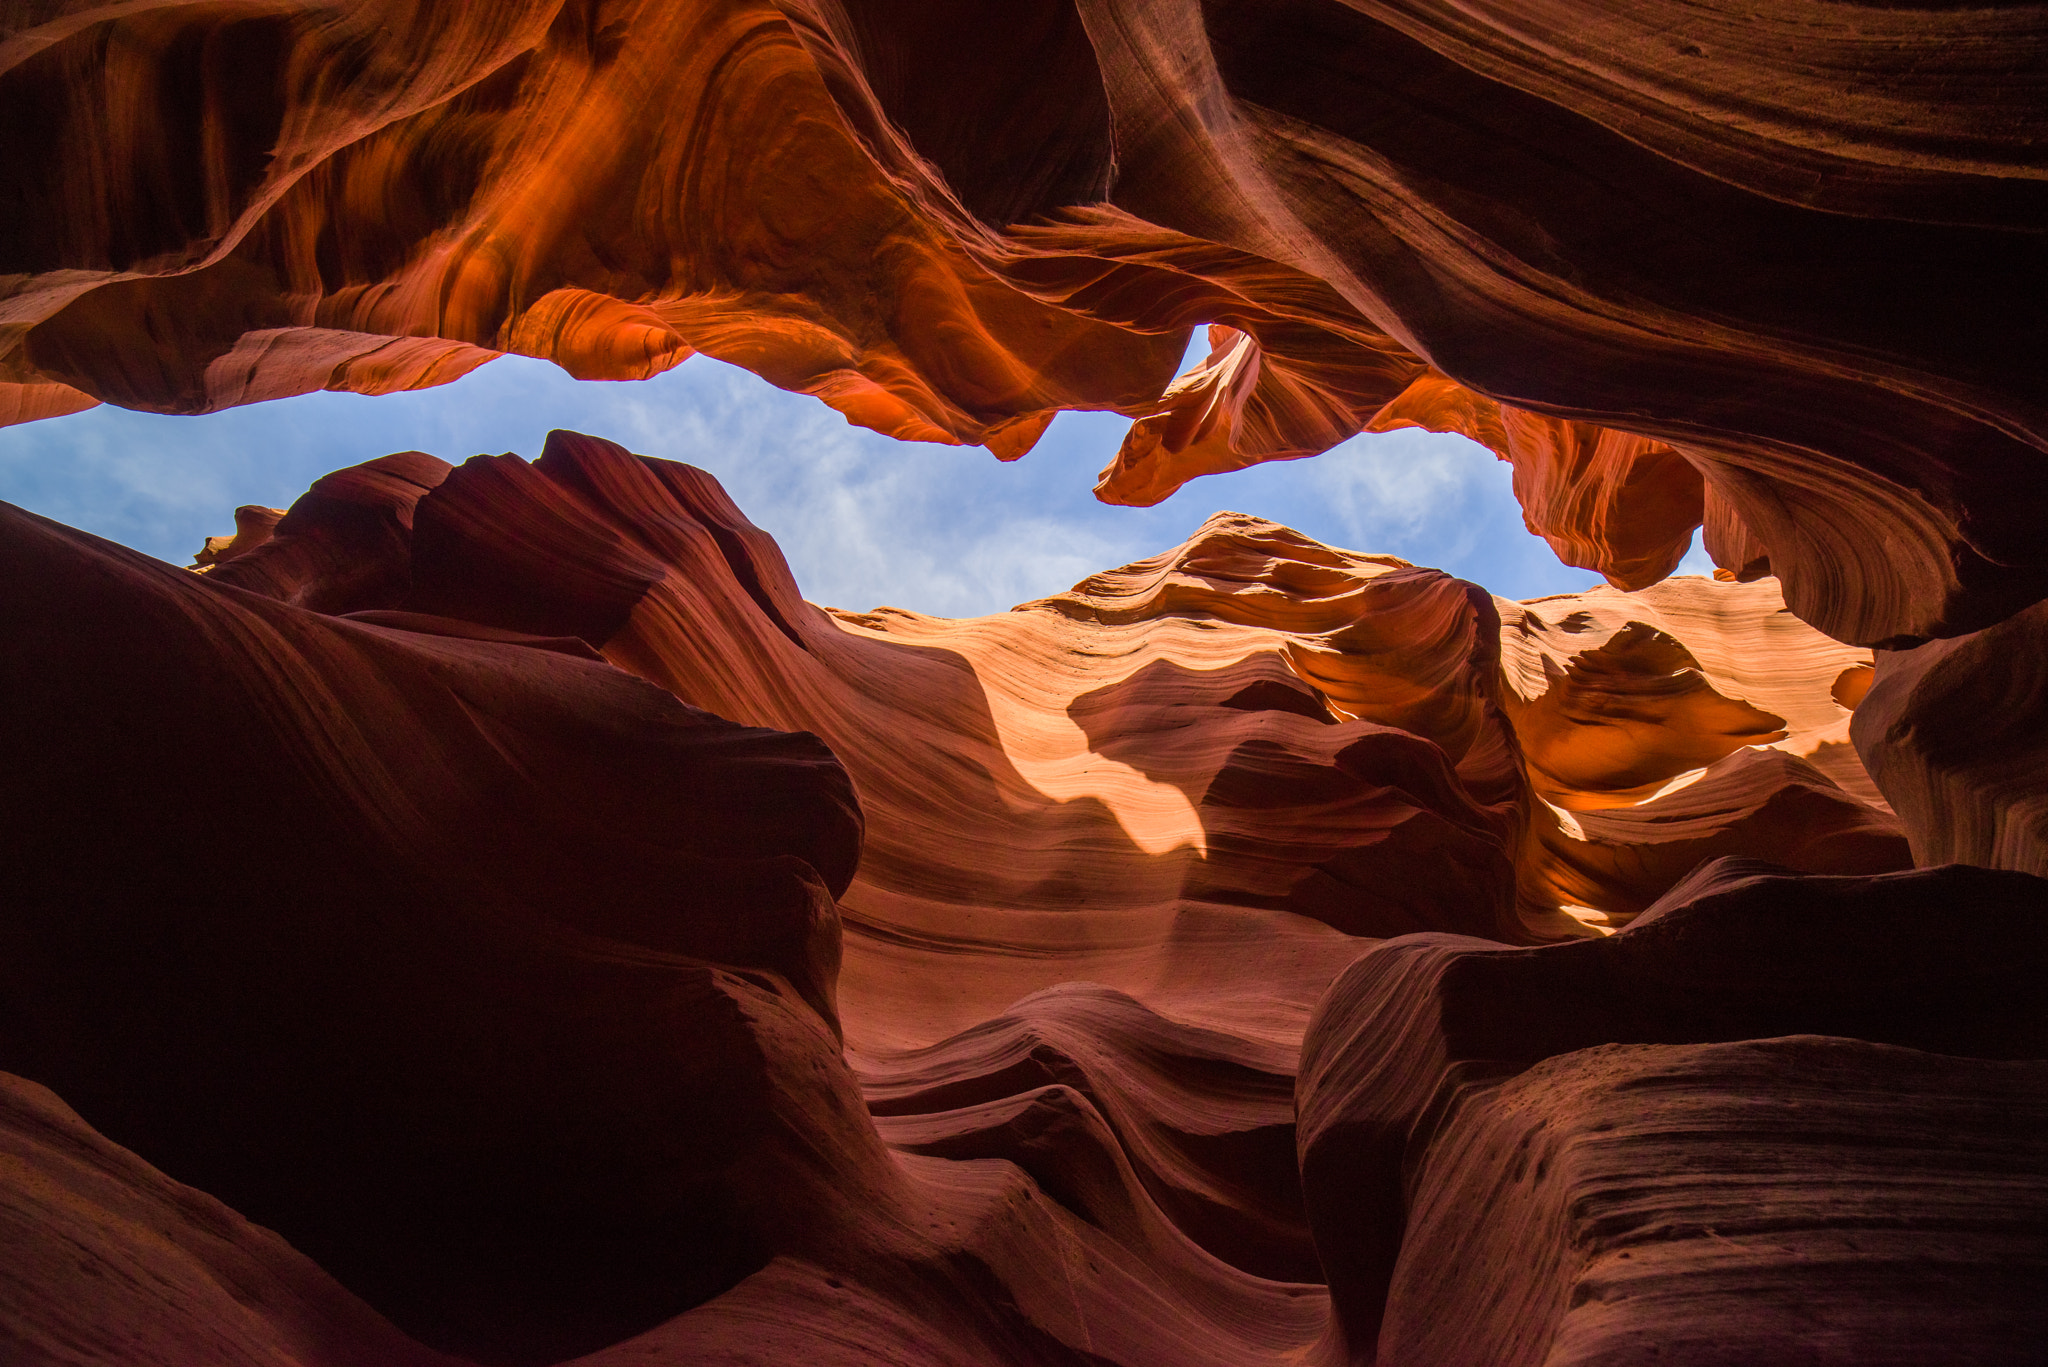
column 1132, row 782
column 360, row 882
column 940, row 992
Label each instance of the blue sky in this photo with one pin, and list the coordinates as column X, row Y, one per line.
column 865, row 520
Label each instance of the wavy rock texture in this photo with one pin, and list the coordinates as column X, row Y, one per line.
column 553, row 1012
column 497, row 881
column 1954, row 737
column 1172, row 761
column 1497, row 1169
column 1781, row 269
column 1683, row 723
column 346, row 911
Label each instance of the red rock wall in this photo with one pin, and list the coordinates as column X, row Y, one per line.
column 1563, row 1155
column 511, row 989
column 110, row 1261
column 1792, row 257
column 501, row 884
column 1953, row 736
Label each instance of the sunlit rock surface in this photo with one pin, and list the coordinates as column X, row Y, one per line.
column 485, row 915
column 1678, row 724
column 1780, row 268
column 565, row 942
column 1957, row 737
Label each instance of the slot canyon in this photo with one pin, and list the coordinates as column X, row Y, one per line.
column 485, row 915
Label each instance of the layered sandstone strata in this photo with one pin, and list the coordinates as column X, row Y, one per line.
column 498, row 881
column 1781, row 269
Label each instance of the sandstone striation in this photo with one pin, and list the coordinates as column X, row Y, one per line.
column 1779, row 270
column 1485, row 1143
column 1954, row 737
column 484, row 915
column 505, row 887
column 319, row 925
column 1721, row 1203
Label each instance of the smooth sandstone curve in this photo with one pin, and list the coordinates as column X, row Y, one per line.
column 1778, row 269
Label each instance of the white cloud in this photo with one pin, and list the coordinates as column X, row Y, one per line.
column 1393, row 486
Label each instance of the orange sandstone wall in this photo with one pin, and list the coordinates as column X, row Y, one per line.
column 487, row 916
column 1781, row 269
column 499, row 882
column 1132, row 782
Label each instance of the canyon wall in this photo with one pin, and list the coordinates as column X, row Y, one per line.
column 485, row 915
column 1780, row 270
column 499, row 882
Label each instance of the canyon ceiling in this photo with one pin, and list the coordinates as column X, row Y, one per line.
column 484, row 914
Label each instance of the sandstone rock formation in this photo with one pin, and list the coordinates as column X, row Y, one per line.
column 503, row 885
column 1495, row 1174
column 1954, row 737
column 483, row 914
column 1682, row 723
column 1782, row 270
column 1251, row 723
column 109, row 1261
column 295, row 870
